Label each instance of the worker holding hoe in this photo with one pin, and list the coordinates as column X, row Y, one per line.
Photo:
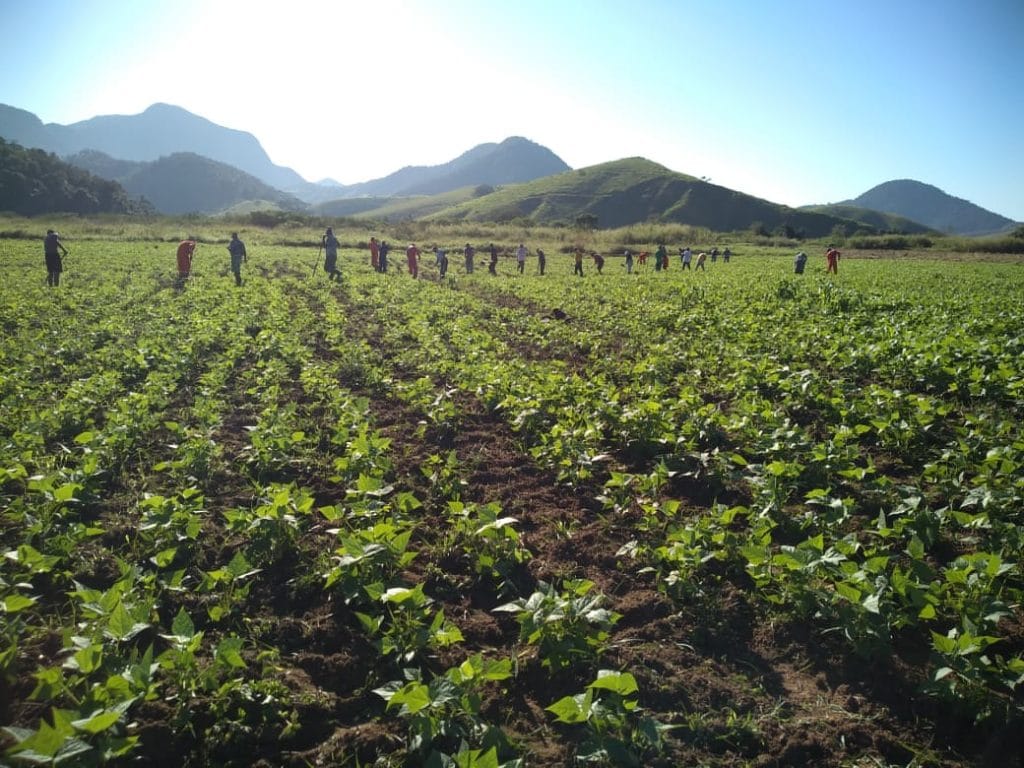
column 330, row 245
column 53, row 249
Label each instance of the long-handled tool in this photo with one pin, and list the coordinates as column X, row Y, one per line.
column 317, row 262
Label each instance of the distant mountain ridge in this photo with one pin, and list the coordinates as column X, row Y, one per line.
column 932, row 207
column 513, row 161
column 184, row 182
column 158, row 131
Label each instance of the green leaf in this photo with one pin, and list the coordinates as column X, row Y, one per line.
column 182, row 625
column 14, row 603
column 622, row 683
column 573, row 709
column 412, row 697
column 229, row 653
column 97, row 723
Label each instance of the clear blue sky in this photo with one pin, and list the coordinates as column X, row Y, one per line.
column 795, row 101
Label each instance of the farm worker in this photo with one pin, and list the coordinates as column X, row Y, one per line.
column 687, row 255
column 468, row 253
column 598, row 261
column 832, row 260
column 186, row 248
column 374, row 253
column 442, row 260
column 541, row 261
column 701, row 258
column 492, row 267
column 237, row 250
column 660, row 257
column 641, row 258
column 53, row 248
column 412, row 253
column 799, row 262
column 521, row 258
column 382, row 257
column 330, row 245
column 725, row 255
column 628, row 254
column 714, row 255
column 578, row 262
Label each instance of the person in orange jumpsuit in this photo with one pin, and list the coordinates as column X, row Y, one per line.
column 412, row 255
column 832, row 260
column 185, row 250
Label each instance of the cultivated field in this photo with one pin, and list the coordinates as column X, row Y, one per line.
column 732, row 518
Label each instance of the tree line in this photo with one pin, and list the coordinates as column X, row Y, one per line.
column 33, row 181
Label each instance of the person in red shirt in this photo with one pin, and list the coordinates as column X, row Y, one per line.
column 186, row 248
column 832, row 259
column 412, row 254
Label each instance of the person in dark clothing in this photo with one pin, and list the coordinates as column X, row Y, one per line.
column 237, row 250
column 53, row 249
column 541, row 261
column 330, row 246
column 492, row 267
column 382, row 257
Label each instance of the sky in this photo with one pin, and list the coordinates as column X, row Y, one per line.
column 794, row 101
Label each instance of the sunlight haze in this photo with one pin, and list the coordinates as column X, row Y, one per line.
column 795, row 102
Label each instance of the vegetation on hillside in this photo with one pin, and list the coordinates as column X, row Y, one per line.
column 33, row 182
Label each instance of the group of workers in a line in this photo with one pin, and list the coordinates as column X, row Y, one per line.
column 54, row 250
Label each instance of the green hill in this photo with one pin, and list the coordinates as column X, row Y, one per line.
column 35, row 182
column 186, row 183
column 882, row 222
column 399, row 208
column 934, row 208
column 635, row 190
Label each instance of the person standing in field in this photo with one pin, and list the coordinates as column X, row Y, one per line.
column 660, row 257
column 726, row 255
column 799, row 262
column 330, row 246
column 578, row 262
column 492, row 267
column 641, row 259
column 469, row 253
column 714, row 255
column 687, row 255
column 186, row 249
column 521, row 258
column 701, row 258
column 53, row 249
column 541, row 260
column 629, row 261
column 832, row 261
column 598, row 261
column 382, row 257
column 412, row 255
column 374, row 254
column 237, row 250
column 441, row 255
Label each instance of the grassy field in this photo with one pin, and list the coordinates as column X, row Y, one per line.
column 738, row 517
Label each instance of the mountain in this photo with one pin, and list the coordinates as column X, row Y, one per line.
column 34, row 182
column 185, row 182
column 932, row 207
column 512, row 161
column 160, row 130
column 635, row 190
column 882, row 222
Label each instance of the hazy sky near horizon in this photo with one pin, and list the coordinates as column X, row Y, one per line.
column 794, row 101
